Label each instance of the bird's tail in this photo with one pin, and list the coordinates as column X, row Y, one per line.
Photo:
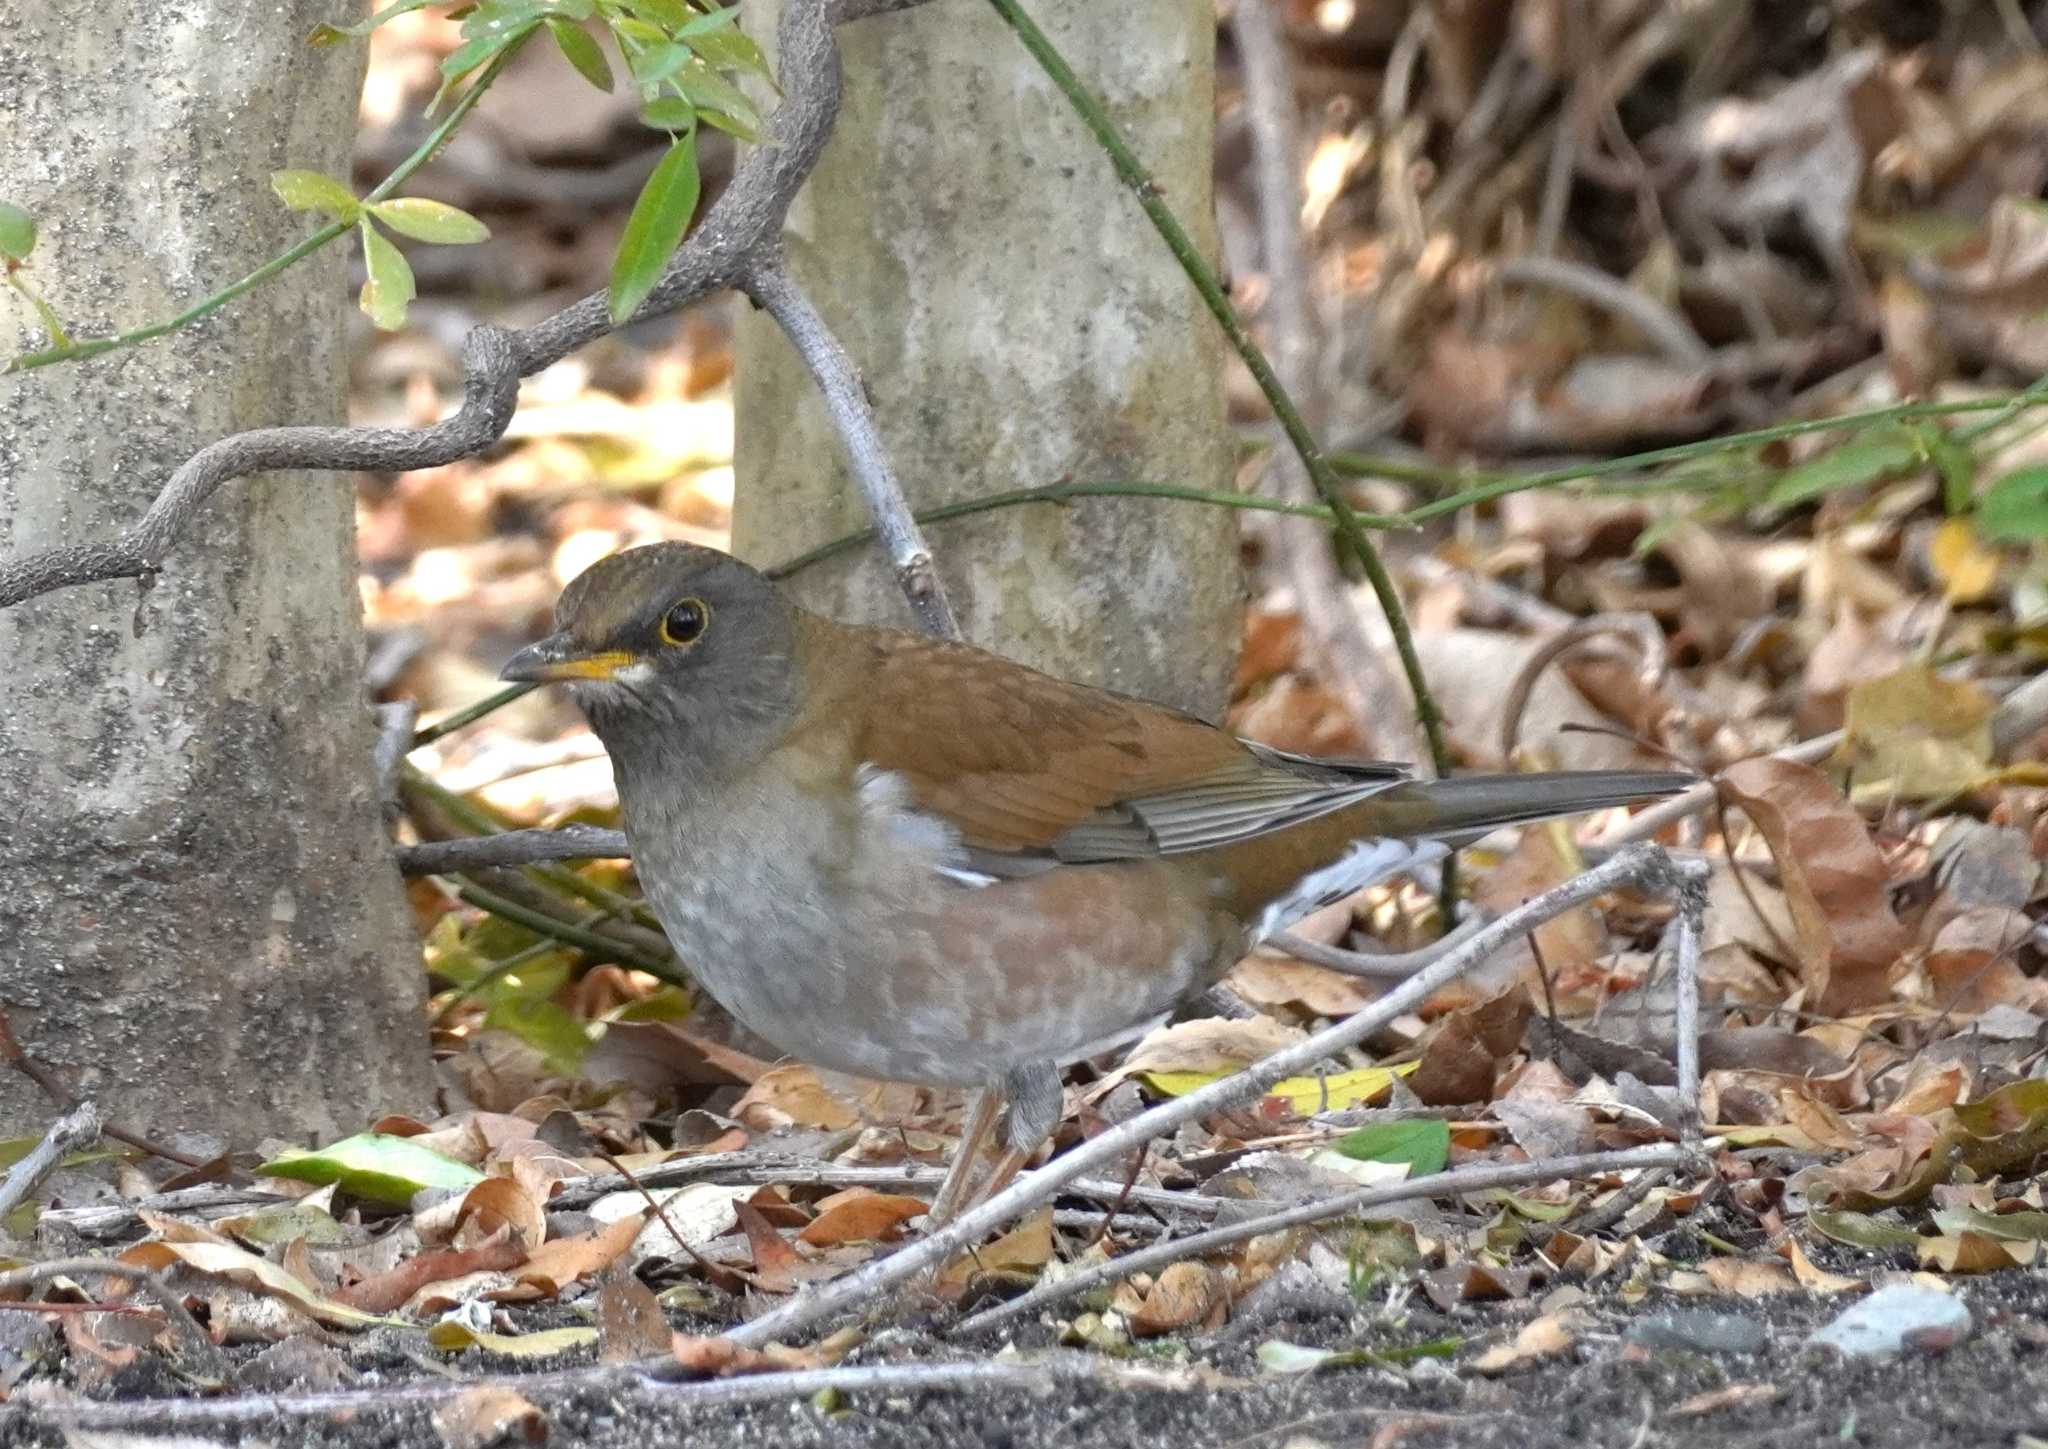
column 1466, row 807
column 1283, row 877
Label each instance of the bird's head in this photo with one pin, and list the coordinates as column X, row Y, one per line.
column 668, row 638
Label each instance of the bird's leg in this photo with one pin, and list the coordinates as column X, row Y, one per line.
column 974, row 1132
column 1035, row 1101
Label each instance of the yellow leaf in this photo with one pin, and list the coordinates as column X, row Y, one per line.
column 1305, row 1095
column 1917, row 734
column 1967, row 569
column 450, row 1335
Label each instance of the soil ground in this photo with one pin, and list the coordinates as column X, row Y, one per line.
column 1989, row 1390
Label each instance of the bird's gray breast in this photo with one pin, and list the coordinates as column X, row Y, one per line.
column 818, row 925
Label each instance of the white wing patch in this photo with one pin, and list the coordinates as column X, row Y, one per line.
column 1367, row 863
column 885, row 801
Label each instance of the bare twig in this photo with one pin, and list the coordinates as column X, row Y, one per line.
column 740, row 233
column 1641, row 866
column 1673, row 335
column 513, row 847
column 1607, row 1214
column 764, row 1167
column 395, row 722
column 1374, row 965
column 199, row 1350
column 1442, row 1184
column 110, row 1221
column 768, row 282
column 1692, row 912
column 1639, row 629
column 77, row 1129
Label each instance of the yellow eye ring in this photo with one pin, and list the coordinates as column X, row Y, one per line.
column 686, row 622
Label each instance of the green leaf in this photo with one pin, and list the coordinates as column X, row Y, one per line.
column 670, row 1003
column 500, row 17
column 670, row 113
column 1860, row 1230
column 311, row 191
column 669, row 15
column 430, row 221
column 389, row 289
column 1881, row 455
column 374, row 1165
column 1424, row 1144
column 1957, row 466
column 581, row 51
column 626, row 28
column 557, row 1034
column 729, row 49
column 330, row 34
column 2016, row 506
column 726, row 106
column 657, row 63
column 705, row 24
column 17, row 232
column 655, row 229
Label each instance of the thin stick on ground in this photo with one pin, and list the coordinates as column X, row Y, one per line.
column 1442, row 1184
column 73, row 1132
column 198, row 1350
column 1641, row 866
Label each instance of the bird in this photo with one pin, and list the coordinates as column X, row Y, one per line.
column 907, row 858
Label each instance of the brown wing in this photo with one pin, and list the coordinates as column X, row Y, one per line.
column 1025, row 764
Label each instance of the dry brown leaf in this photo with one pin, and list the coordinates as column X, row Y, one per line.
column 1833, row 876
column 723, row 1358
column 1463, row 1053
column 1181, row 1296
column 1025, row 1249
column 777, row 1268
column 1970, row 966
column 1818, row 1280
column 556, row 1264
column 388, row 1291
column 1211, row 1044
column 1540, row 1338
column 1931, row 1087
column 861, row 1215
column 793, row 1096
column 1747, row 1277
column 630, row 1323
column 1265, row 979
column 485, row 1416
column 1735, row 1396
column 248, row 1271
column 2004, row 268
column 500, row 1205
column 1542, row 859
column 1968, row 1252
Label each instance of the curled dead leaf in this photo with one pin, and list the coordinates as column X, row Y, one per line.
column 1181, row 1297
column 1834, row 879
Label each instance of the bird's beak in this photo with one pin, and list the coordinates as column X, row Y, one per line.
column 559, row 657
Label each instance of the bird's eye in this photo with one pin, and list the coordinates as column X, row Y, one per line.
column 686, row 622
